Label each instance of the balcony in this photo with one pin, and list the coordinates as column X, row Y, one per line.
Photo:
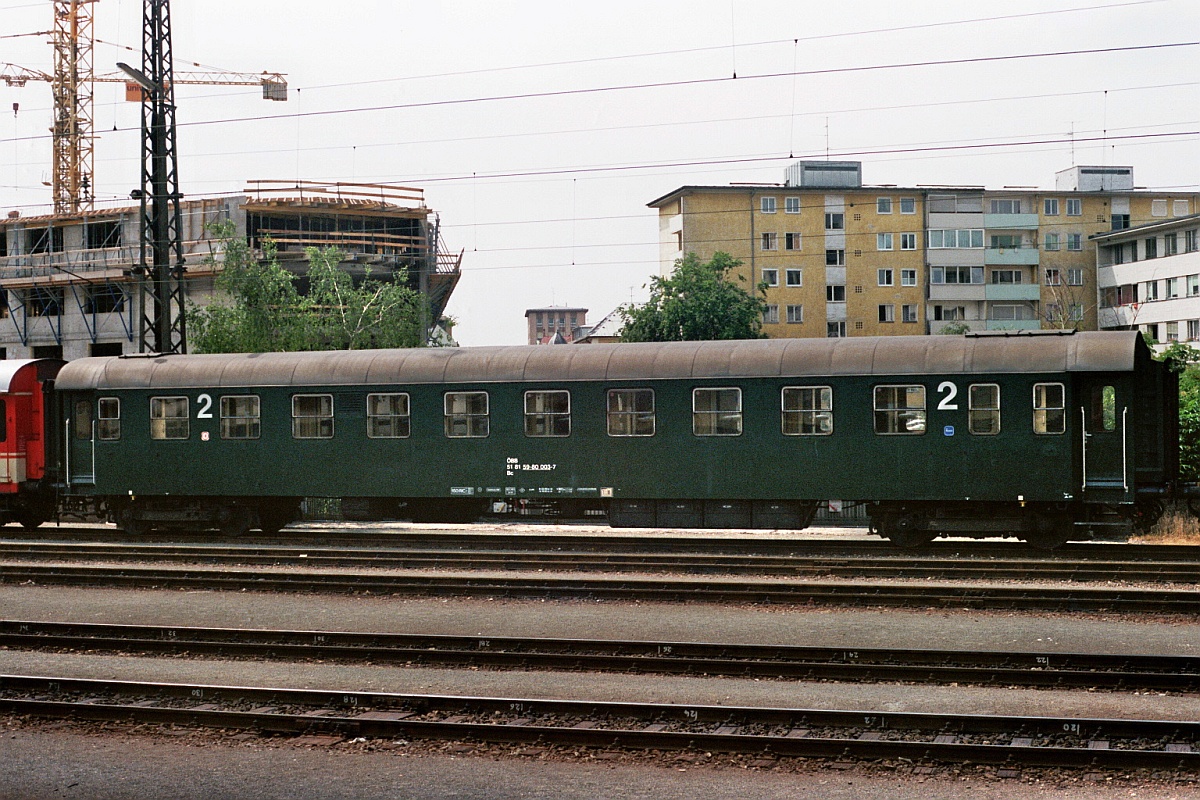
column 1013, row 324
column 1010, row 221
column 1012, row 291
column 957, row 291
column 1011, row 256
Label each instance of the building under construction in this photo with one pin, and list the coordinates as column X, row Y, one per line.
column 69, row 284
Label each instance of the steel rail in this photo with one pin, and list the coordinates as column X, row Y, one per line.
column 862, row 664
column 779, row 732
column 893, row 566
column 707, row 589
column 596, row 539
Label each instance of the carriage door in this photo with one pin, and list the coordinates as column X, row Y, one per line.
column 81, row 442
column 1104, row 418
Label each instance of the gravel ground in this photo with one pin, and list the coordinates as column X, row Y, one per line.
column 57, row 760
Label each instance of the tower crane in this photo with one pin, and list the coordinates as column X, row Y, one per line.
column 73, row 179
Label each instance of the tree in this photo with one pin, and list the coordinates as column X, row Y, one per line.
column 699, row 300
column 263, row 311
column 1185, row 360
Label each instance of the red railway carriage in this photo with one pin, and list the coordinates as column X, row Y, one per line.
column 26, row 444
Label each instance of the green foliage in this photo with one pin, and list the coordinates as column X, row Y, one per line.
column 263, row 311
column 1185, row 360
column 699, row 300
column 955, row 329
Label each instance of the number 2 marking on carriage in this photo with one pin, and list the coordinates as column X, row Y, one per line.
column 951, row 392
column 205, row 411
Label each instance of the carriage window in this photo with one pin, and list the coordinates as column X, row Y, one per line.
column 388, row 416
column 717, row 412
column 312, row 416
column 108, row 424
column 900, row 410
column 83, row 419
column 1049, row 408
column 630, row 412
column 466, row 415
column 3, row 420
column 1102, row 408
column 807, row 411
column 984, row 399
column 169, row 418
column 548, row 413
column 240, row 417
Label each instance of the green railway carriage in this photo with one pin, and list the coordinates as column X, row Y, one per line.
column 1029, row 433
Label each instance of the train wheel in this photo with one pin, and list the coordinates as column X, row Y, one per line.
column 234, row 520
column 31, row 521
column 1051, row 531
column 127, row 521
column 902, row 531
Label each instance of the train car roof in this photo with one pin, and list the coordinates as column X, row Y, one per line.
column 11, row 367
column 1008, row 352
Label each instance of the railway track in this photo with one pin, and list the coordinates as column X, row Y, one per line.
column 662, row 589
column 1013, row 669
column 771, row 732
column 619, row 560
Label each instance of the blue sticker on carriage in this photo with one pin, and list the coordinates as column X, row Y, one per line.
column 948, row 430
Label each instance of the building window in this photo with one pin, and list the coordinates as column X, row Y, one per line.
column 770, row 315
column 240, row 417
column 1075, row 241
column 908, row 277
column 949, row 313
column 1075, row 276
column 1076, row 312
column 1049, row 408
column 1171, row 244
column 1007, row 276
column 835, row 258
column 1193, row 329
column 1007, row 312
column 43, row 302
column 312, row 416
column 770, row 241
column 465, row 415
column 1189, row 241
column 908, row 313
column 794, row 277
column 548, row 413
column 1179, row 208
column 908, row 205
column 1074, row 207
column 1053, row 277
column 717, row 412
column 795, row 315
column 100, row 235
column 883, row 241
column 1050, row 206
column 887, row 313
column 630, row 412
column 768, row 205
column 1193, row 285
column 908, row 241
column 1051, row 241
column 835, row 293
column 1158, row 208
column 984, row 409
column 883, row 205
column 791, row 205
column 108, row 425
column 1120, row 222
column 388, row 416
column 956, row 275
column 835, row 330
column 1006, row 206
column 791, row 241
column 44, row 240
column 770, row 277
column 807, row 410
column 835, row 221
column 957, row 238
column 900, row 409
column 1151, row 248
column 169, row 418
column 1149, row 291
column 884, row 277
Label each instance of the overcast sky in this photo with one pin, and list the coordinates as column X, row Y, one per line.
column 539, row 130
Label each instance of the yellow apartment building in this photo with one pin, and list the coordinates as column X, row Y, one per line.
column 838, row 258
